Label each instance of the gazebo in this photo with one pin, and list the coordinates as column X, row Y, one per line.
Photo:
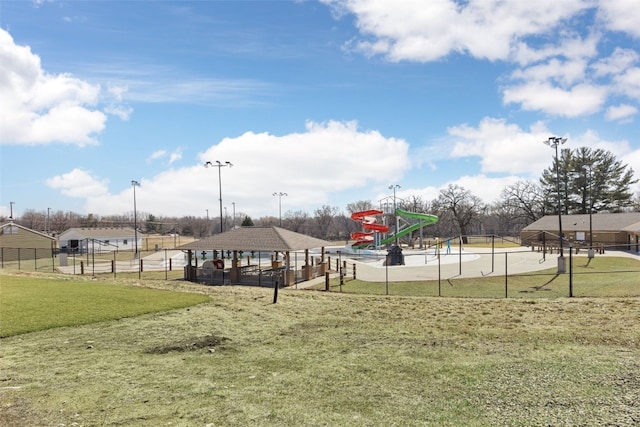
column 251, row 240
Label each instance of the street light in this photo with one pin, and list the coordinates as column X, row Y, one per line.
column 280, row 194
column 135, row 184
column 218, row 164
column 553, row 142
column 393, row 187
column 589, row 167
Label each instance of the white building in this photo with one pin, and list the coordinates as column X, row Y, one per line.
column 88, row 240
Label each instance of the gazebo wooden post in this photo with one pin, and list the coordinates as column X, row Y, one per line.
column 323, row 265
column 287, row 264
column 307, row 268
column 235, row 271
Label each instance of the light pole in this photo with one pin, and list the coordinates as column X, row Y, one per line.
column 393, row 187
column 279, row 195
column 135, row 184
column 553, row 142
column 590, row 178
column 11, row 209
column 218, row 164
column 234, row 215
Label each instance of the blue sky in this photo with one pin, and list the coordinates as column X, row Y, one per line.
column 329, row 101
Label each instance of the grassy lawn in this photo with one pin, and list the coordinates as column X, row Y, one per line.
column 320, row 358
column 601, row 277
column 30, row 303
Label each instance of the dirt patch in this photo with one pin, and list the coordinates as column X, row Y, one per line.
column 211, row 343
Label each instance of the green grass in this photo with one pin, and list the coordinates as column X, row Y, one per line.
column 320, row 358
column 601, row 277
column 30, row 303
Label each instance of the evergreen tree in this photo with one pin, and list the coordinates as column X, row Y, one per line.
column 590, row 179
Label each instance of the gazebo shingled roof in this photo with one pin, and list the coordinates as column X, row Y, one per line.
column 256, row 239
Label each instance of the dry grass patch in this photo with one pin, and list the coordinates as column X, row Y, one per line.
column 329, row 359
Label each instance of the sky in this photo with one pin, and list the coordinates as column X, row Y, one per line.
column 330, row 102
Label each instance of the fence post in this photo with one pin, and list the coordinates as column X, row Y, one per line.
column 354, row 271
column 570, row 271
column 82, row 267
column 326, row 281
column 506, row 285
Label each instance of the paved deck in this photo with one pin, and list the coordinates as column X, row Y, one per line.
column 475, row 262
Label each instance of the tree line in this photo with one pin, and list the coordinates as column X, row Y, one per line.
column 582, row 180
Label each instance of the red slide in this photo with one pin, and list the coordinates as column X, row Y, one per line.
column 369, row 223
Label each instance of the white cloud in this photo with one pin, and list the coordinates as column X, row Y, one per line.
column 565, row 73
column 502, row 147
column 40, row 108
column 546, row 37
column 421, row 31
column 616, row 63
column 175, row 155
column 488, row 189
column 628, row 83
column 569, row 45
column 578, row 100
column 158, row 154
column 621, row 15
column 79, row 183
column 622, row 112
column 310, row 166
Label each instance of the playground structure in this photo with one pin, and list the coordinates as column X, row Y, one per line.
column 372, row 229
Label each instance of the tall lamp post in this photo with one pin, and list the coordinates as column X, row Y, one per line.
column 553, row 142
column 135, row 184
column 590, row 178
column 393, row 187
column 279, row 195
column 218, row 164
column 234, row 215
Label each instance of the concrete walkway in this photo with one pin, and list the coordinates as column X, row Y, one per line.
column 475, row 262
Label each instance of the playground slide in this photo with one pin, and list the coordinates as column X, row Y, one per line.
column 424, row 219
column 369, row 223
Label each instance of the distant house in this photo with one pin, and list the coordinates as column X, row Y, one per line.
column 18, row 243
column 91, row 240
column 615, row 230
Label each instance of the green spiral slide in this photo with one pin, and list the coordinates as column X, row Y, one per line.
column 423, row 219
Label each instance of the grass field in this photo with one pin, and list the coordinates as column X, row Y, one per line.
column 31, row 303
column 320, row 358
column 600, row 277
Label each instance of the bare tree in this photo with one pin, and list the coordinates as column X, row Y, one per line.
column 359, row 206
column 33, row 220
column 323, row 219
column 459, row 208
column 525, row 200
column 296, row 221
